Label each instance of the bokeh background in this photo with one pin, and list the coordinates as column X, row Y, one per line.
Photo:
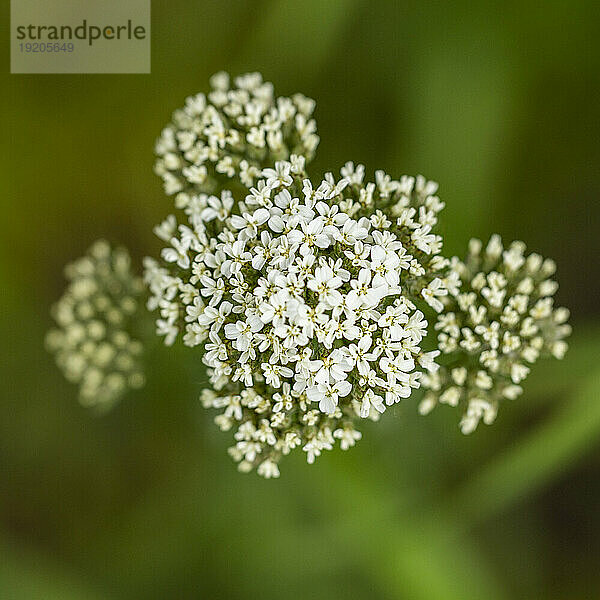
column 498, row 101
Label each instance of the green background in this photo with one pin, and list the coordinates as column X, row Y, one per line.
column 496, row 101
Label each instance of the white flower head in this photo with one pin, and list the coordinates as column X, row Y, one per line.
column 296, row 296
column 233, row 132
column 306, row 300
column 92, row 343
column 496, row 323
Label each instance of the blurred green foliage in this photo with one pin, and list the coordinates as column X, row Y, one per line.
column 496, row 101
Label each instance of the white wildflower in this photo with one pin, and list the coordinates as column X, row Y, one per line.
column 93, row 343
column 499, row 321
column 233, row 132
column 298, row 302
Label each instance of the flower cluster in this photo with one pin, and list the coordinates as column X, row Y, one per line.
column 232, row 133
column 501, row 321
column 92, row 345
column 303, row 299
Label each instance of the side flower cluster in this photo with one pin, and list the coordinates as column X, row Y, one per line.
column 498, row 324
column 232, row 134
column 303, row 300
column 92, row 343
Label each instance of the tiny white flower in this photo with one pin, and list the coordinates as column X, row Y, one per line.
column 309, row 235
column 178, row 253
column 326, row 284
column 371, row 401
column 331, row 368
column 248, row 223
column 328, row 395
column 397, row 369
column 242, row 332
column 358, row 355
column 280, row 175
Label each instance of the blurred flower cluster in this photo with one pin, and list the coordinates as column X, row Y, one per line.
column 232, row 132
column 93, row 343
column 498, row 323
column 307, row 298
